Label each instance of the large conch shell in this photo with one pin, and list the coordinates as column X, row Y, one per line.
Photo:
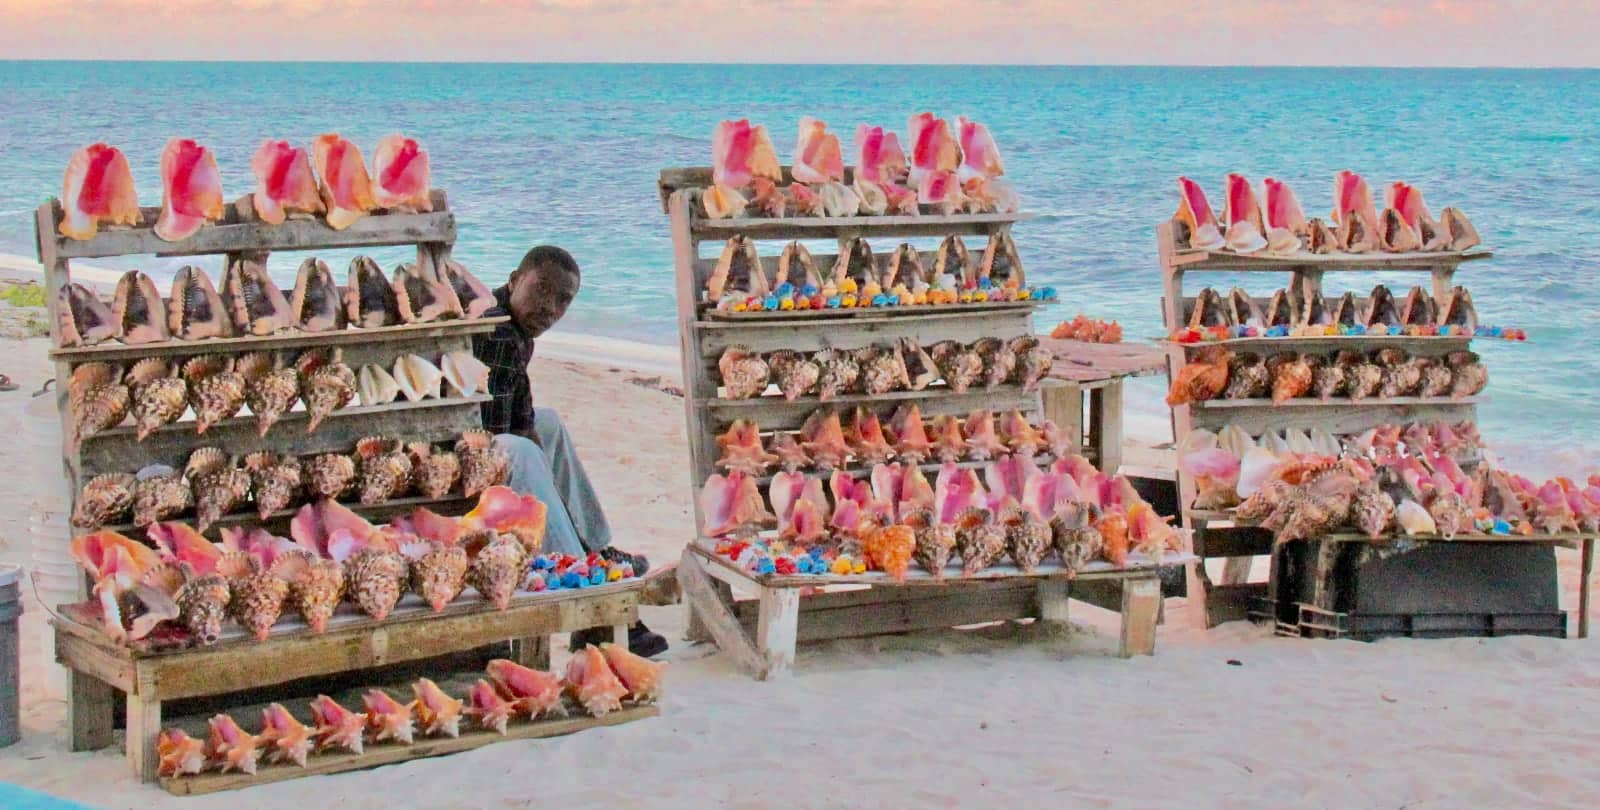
column 255, row 304
column 855, row 263
column 1395, row 235
column 230, row 747
column 466, row 374
column 344, row 184
column 337, row 726
column 795, row 373
column 741, row 152
column 216, row 390
column 1354, row 213
column 82, row 319
column 935, row 157
column 433, row 472
column 1197, row 226
column 105, row 499
column 744, row 373
column 270, row 388
column 492, row 710
column 417, row 377
column 159, row 395
column 180, row 754
column 195, row 310
column 483, row 463
column 138, row 310
column 285, row 183
column 274, row 478
column 421, row 297
column 219, row 484
column 401, row 176
column 315, row 305
column 738, row 270
column 98, row 397
column 191, row 190
column 474, row 296
column 160, row 493
column 1407, row 201
column 1463, row 236
column 818, row 157
column 1246, row 229
column 1000, row 263
column 438, row 571
column 437, row 712
column 97, row 188
column 951, row 261
column 369, row 299
column 498, row 568
column 591, row 681
column 286, row 739
column 385, row 469
column 376, row 386
column 389, row 719
column 531, row 692
column 326, row 384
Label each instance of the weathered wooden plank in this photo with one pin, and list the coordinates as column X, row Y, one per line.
column 1585, row 571
column 702, row 441
column 348, row 339
column 878, row 611
column 1188, row 261
column 1336, row 419
column 716, row 615
column 1229, row 603
column 777, row 625
column 90, row 710
column 1105, row 427
column 378, row 754
column 1138, row 565
column 927, row 328
column 80, row 653
column 1063, row 404
column 143, row 720
column 237, row 233
column 1141, row 604
column 1053, row 602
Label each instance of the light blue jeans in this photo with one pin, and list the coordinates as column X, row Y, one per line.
column 551, row 471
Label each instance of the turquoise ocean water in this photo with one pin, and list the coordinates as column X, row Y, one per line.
column 569, row 154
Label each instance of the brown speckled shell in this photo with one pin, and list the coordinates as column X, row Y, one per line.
column 1372, row 511
column 959, row 365
column 218, row 485
column 105, row 499
column 999, row 361
column 316, row 585
column 329, row 475
column 1077, row 542
column 795, row 373
column 744, row 373
column 1027, row 537
column 158, row 398
column 98, row 398
column 979, row 540
column 384, row 469
column 257, row 602
column 934, row 541
column 882, row 370
column 216, row 390
column 433, row 472
column 1469, row 375
column 202, row 604
column 1033, row 361
column 1247, row 377
column 483, row 465
column 270, row 388
column 275, row 480
column 439, row 574
column 326, row 385
column 160, row 497
column 839, row 373
column 498, row 570
column 1436, row 379
column 374, row 580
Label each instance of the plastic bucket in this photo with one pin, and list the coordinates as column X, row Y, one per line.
column 10, row 654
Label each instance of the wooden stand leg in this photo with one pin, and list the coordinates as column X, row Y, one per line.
column 619, row 634
column 1053, row 600
column 89, row 711
column 144, row 724
column 1141, row 601
column 777, row 626
column 696, row 631
column 717, row 616
column 1585, row 571
column 1063, row 405
column 1236, row 570
column 532, row 652
column 1105, row 426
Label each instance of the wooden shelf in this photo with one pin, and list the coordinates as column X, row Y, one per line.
column 378, row 512
column 889, row 400
column 858, row 471
column 717, row 318
column 841, row 227
column 278, row 342
column 297, row 415
column 1334, row 342
column 234, row 234
column 1310, row 402
column 1561, row 538
column 1188, row 261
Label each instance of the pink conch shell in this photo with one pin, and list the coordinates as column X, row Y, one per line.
column 1216, row 475
column 1407, row 200
column 979, row 156
column 503, row 510
column 942, row 190
column 1007, row 477
column 592, row 682
column 911, row 441
column 285, row 183
column 492, row 710
column 401, row 175
column 97, row 189
column 1352, row 196
column 879, row 158
column 345, row 185
column 742, row 450
column 867, row 440
column 181, row 755
column 822, row 436
column 191, row 190
column 387, row 718
column 741, row 152
column 1286, row 222
column 933, row 150
column 954, row 491
column 818, row 157
column 314, row 527
column 1195, row 216
column 1246, row 233
column 982, row 441
column 533, row 692
column 732, row 504
column 640, row 675
column 286, row 738
column 800, row 505
column 338, row 727
column 230, row 748
column 180, row 543
column 437, row 712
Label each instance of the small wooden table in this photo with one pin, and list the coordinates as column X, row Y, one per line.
column 1095, row 369
column 97, row 665
column 760, row 634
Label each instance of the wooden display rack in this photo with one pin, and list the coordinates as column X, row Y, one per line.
column 1216, row 534
column 705, row 334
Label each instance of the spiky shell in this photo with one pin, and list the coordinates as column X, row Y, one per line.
column 959, row 365
column 374, row 579
column 275, row 479
column 433, row 472
column 640, row 675
column 1436, row 379
column 1402, row 374
column 498, row 570
column 159, row 497
column 202, row 604
column 1327, row 380
column 1469, row 375
column 979, row 540
column 1362, row 378
column 1450, row 513
column 483, row 464
column 438, row 573
column 1372, row 511
column 316, row 584
column 1033, row 361
column 839, row 373
column 329, row 475
column 218, row 485
column 270, row 388
column 98, row 398
column 744, row 373
column 795, row 373
column 158, row 397
column 326, row 385
column 1077, row 540
column 591, row 682
column 216, row 390
column 1027, row 537
column 181, row 755
column 934, row 541
column 999, row 361
column 437, row 712
column 257, row 601
column 105, row 499
column 384, row 469
column 1248, row 377
column 882, row 370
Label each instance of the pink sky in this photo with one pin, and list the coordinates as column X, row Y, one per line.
column 1276, row 32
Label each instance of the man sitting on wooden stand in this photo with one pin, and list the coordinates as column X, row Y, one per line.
column 544, row 462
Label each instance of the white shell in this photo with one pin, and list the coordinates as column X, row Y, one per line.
column 1414, row 519
column 1243, row 237
column 1297, row 440
column 1196, row 440
column 874, row 201
column 1235, row 440
column 1323, row 443
column 1256, row 467
column 376, row 386
column 838, row 200
column 1275, row 444
column 466, row 374
column 417, row 377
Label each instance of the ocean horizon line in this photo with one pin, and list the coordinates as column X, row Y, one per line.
column 874, row 65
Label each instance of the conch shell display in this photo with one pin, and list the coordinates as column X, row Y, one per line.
column 1197, row 226
column 401, row 176
column 326, row 384
column 82, row 319
column 105, row 499
column 465, row 373
column 191, row 190
column 216, row 390
column 593, row 684
column 433, row 472
column 255, row 305
column 97, row 189
column 285, row 183
column 384, row 469
column 138, row 310
column 159, row 395
column 98, row 397
column 437, row 713
column 270, row 388
column 483, row 463
column 744, row 373
column 230, row 748
column 421, row 297
column 345, row 186
column 315, row 305
column 474, row 296
column 369, row 297
column 338, row 727
column 1246, row 228
column 195, row 310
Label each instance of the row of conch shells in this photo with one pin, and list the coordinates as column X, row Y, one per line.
column 212, row 485
column 880, row 369
column 826, row 443
column 1215, row 372
column 250, row 303
column 415, row 377
column 1273, row 222
column 191, row 584
column 597, row 681
column 946, row 173
column 1305, row 311
column 329, row 180
column 740, row 274
column 156, row 391
column 1018, row 508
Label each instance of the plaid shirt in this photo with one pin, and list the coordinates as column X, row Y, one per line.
column 506, row 351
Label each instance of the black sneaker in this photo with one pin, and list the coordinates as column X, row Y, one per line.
column 641, row 641
column 617, row 556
